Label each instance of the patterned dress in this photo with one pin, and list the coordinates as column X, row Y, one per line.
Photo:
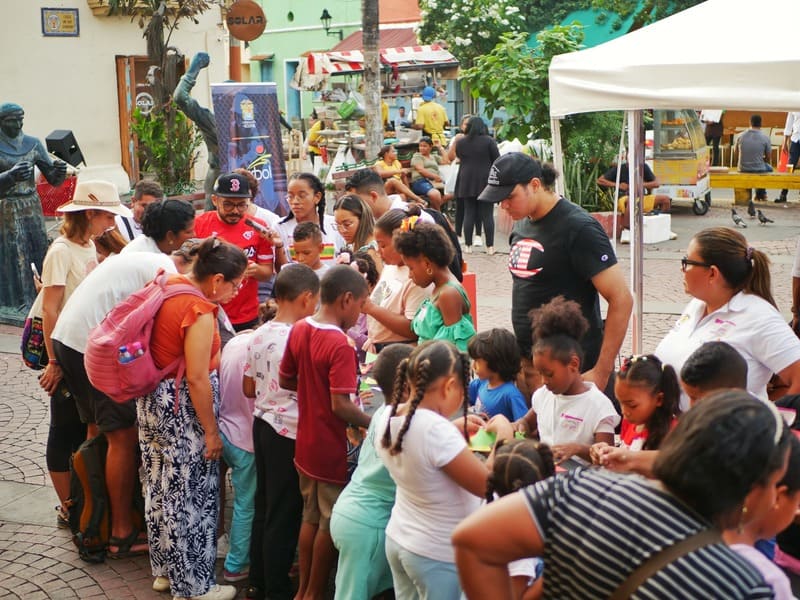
column 181, row 489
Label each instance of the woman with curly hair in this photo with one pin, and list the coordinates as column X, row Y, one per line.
column 427, row 252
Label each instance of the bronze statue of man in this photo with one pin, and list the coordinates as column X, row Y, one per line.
column 202, row 117
column 23, row 238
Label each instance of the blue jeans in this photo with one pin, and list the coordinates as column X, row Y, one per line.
column 417, row 577
column 243, row 476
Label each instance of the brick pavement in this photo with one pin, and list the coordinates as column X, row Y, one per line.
column 37, row 560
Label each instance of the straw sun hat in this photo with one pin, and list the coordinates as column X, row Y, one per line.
column 96, row 195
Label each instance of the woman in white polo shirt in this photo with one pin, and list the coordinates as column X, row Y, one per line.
column 732, row 302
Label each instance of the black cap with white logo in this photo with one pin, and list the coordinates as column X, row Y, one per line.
column 508, row 171
column 232, row 185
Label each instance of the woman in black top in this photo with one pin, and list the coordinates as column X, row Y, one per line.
column 477, row 151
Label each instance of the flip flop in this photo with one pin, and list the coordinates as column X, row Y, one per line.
column 124, row 546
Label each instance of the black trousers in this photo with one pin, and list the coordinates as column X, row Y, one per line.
column 278, row 512
column 478, row 215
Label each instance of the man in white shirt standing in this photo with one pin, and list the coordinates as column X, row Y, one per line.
column 144, row 194
column 791, row 143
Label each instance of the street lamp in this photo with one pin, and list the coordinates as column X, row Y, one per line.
column 326, row 25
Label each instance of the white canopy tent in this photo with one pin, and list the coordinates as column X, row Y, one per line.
column 718, row 54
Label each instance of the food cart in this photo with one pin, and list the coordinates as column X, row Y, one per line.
column 680, row 158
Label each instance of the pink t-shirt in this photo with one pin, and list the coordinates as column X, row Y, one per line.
column 235, row 409
column 324, row 362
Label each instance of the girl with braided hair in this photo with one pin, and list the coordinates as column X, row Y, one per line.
column 517, row 464
column 439, row 481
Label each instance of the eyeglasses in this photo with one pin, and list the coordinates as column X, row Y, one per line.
column 685, row 262
column 227, row 205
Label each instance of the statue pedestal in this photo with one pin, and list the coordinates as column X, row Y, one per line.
column 10, row 316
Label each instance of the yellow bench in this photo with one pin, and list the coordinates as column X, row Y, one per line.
column 743, row 183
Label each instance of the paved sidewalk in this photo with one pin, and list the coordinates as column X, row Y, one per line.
column 38, row 560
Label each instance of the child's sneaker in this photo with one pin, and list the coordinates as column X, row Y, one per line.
column 232, row 577
column 223, row 544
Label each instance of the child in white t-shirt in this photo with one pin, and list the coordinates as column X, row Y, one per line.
column 439, row 481
column 567, row 413
column 278, row 504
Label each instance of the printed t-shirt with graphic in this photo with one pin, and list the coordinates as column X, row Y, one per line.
column 504, row 400
column 432, row 116
column 243, row 308
column 747, row 322
column 333, row 243
column 235, row 409
column 573, row 419
column 558, row 255
column 320, row 356
column 274, row 405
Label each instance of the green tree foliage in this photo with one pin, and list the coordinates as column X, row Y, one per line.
column 514, row 78
column 470, row 28
column 644, row 11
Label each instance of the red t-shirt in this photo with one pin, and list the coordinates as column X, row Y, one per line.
column 244, row 307
column 324, row 363
column 634, row 438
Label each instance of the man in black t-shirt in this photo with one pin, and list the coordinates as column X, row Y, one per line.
column 557, row 248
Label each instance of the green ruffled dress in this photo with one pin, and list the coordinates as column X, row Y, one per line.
column 428, row 323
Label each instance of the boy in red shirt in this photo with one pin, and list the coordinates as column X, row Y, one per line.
column 231, row 197
column 320, row 363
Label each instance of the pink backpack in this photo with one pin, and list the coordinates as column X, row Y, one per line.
column 123, row 376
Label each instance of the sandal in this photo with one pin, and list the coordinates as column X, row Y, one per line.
column 124, row 546
column 62, row 517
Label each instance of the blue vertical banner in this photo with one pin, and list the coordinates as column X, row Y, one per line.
column 248, row 128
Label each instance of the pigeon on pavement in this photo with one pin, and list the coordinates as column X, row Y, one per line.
column 737, row 219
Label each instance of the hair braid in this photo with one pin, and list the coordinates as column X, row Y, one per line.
column 489, row 495
column 423, row 378
column 400, row 381
column 465, row 372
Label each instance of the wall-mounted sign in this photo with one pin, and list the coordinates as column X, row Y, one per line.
column 246, row 20
column 144, row 102
column 60, row 22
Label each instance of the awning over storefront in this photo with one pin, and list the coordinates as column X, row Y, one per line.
column 313, row 72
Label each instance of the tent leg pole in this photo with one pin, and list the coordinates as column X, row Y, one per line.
column 558, row 157
column 636, row 193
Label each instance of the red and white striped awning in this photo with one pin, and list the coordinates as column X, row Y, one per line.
column 407, row 57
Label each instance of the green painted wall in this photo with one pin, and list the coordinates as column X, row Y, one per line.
column 294, row 28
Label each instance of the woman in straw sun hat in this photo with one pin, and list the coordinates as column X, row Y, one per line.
column 69, row 259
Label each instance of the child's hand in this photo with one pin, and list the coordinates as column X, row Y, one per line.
column 473, row 423
column 501, row 426
column 596, row 451
column 563, row 452
column 612, row 458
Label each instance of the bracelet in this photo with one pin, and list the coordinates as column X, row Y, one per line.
column 53, row 361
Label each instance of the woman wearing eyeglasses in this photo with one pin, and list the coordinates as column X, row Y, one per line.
column 729, row 282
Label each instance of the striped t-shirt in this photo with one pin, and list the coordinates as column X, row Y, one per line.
column 598, row 526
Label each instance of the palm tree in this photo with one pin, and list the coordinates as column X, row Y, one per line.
column 372, row 78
